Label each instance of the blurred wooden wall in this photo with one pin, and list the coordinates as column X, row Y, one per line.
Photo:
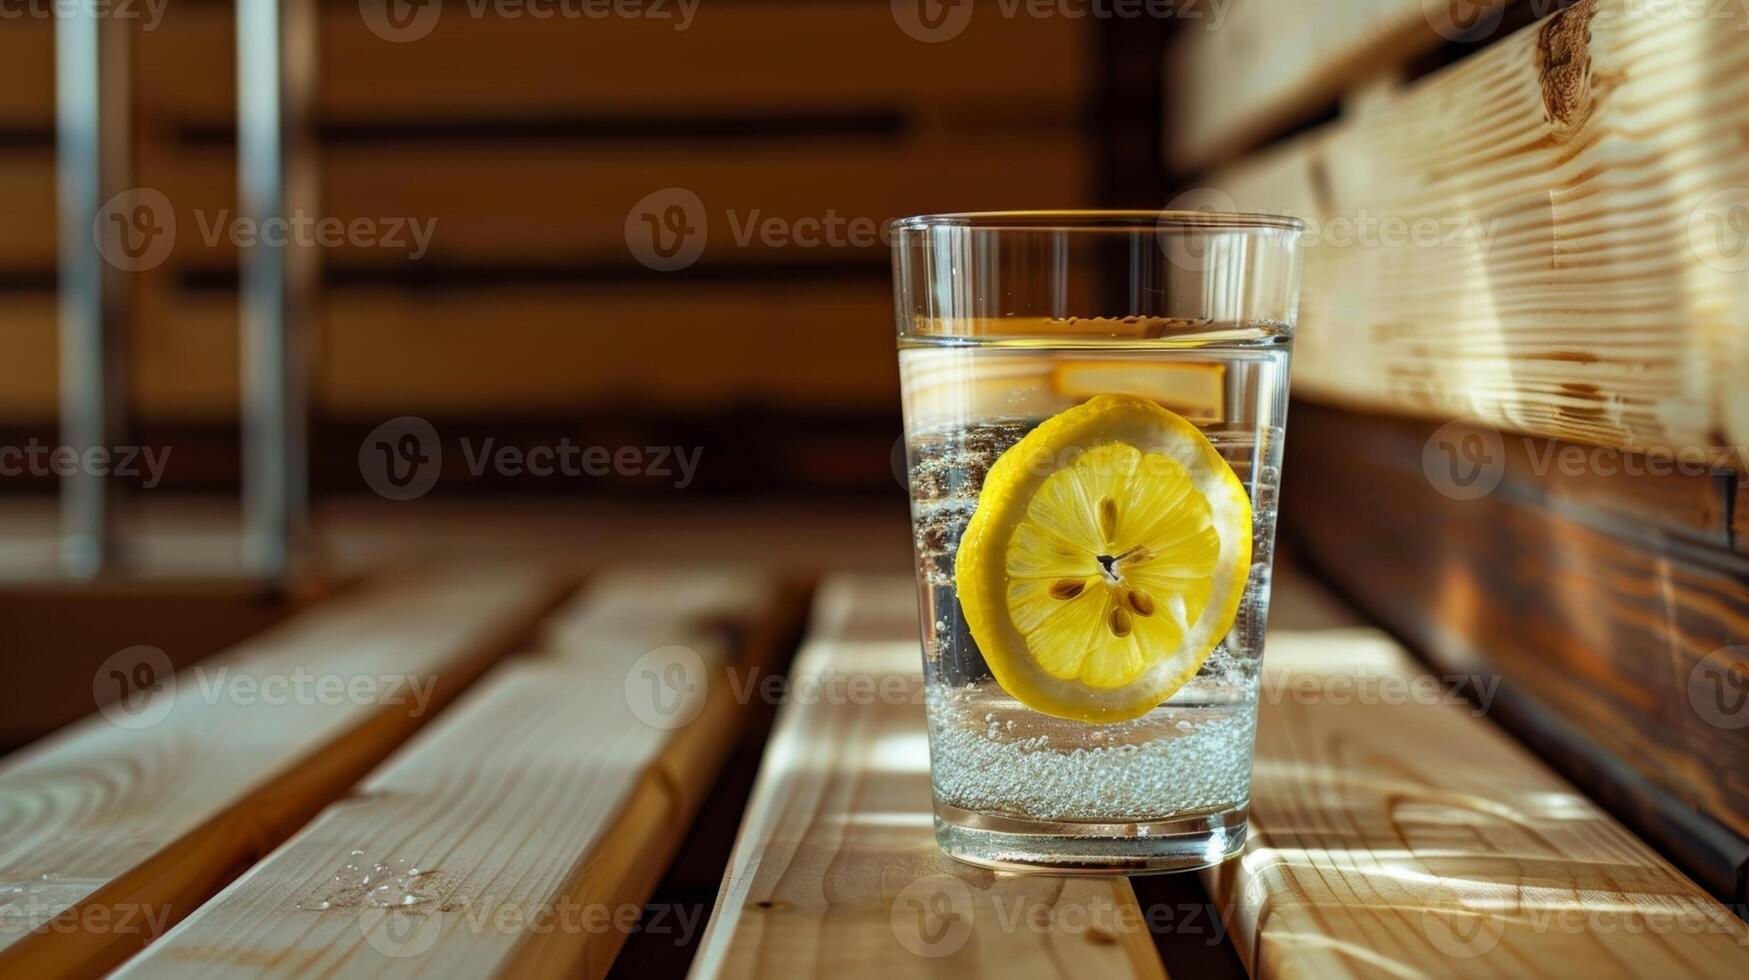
column 531, row 143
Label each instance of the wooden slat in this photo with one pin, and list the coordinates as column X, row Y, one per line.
column 1234, row 81
column 1571, row 281
column 836, row 873
column 744, row 57
column 485, row 203
column 58, row 633
column 27, row 50
column 661, row 342
column 147, row 820
column 1605, row 621
column 551, row 790
column 1394, row 835
column 490, row 203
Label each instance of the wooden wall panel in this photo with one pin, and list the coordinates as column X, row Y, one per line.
column 492, row 201
column 1607, row 616
column 641, row 345
column 529, row 141
column 1234, row 81
column 754, row 56
column 1582, row 188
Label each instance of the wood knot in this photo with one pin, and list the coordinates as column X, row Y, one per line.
column 1563, row 66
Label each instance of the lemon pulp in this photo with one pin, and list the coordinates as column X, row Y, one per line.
column 1105, row 561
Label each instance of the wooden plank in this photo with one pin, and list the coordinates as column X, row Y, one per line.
column 459, row 201
column 1573, row 274
column 1234, row 81
column 742, row 58
column 126, row 822
column 540, row 809
column 27, row 50
column 59, row 633
column 675, row 346
column 1399, row 835
column 836, row 872
column 551, row 348
column 1609, row 628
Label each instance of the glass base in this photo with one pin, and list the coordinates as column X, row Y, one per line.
column 1005, row 843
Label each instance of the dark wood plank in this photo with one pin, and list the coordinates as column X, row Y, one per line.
column 1609, row 628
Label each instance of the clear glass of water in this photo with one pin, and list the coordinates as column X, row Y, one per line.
column 1006, row 320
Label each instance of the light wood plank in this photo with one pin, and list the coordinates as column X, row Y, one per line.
column 836, row 872
column 1395, row 834
column 540, row 810
column 1234, row 81
column 145, row 814
column 1585, row 190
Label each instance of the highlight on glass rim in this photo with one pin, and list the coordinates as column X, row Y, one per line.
column 783, row 489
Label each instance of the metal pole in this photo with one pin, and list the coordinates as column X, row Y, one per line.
column 92, row 166
column 275, row 69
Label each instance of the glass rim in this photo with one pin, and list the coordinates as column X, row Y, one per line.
column 1083, row 220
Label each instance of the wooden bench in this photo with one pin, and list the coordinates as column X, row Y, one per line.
column 1394, row 830
column 1517, row 440
column 1394, row 833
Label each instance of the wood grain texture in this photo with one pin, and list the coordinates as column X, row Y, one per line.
column 1578, row 188
column 131, row 818
column 1233, row 82
column 1606, row 624
column 836, row 872
column 1394, row 836
column 542, row 809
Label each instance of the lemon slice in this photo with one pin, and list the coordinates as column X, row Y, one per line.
column 1105, row 561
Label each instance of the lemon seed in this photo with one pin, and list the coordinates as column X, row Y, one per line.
column 1141, row 602
column 1120, row 622
column 1067, row 588
column 1108, row 517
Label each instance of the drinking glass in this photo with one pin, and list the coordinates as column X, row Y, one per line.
column 1006, row 320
